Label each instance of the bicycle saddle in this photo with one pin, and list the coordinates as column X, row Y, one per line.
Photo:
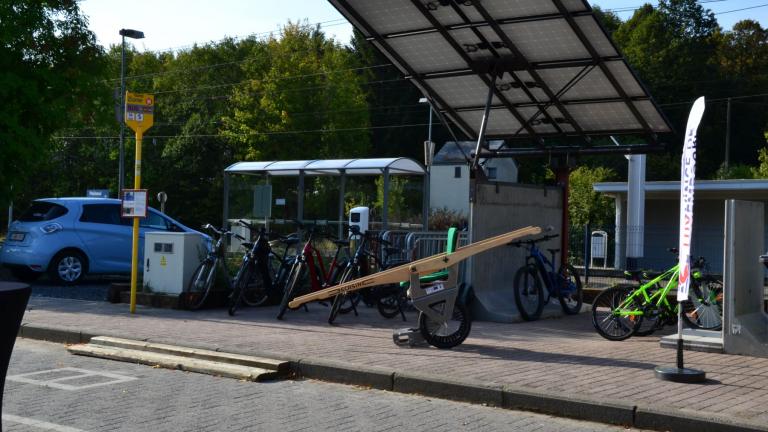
column 553, row 251
column 247, row 245
column 633, row 274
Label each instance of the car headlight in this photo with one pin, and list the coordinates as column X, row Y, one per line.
column 51, row 228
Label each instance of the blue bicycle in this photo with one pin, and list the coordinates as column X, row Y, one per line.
column 563, row 283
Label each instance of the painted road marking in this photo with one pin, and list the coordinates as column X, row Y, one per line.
column 54, row 378
column 39, row 424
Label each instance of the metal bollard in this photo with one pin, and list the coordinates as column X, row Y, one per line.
column 13, row 303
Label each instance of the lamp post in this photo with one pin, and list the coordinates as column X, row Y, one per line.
column 429, row 150
column 133, row 34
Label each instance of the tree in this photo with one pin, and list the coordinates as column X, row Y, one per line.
column 304, row 100
column 50, row 68
column 672, row 47
column 584, row 204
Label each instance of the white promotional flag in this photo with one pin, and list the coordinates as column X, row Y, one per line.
column 687, row 179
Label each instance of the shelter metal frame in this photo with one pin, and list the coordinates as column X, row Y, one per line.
column 342, row 168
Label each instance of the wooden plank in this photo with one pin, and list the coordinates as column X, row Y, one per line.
column 422, row 267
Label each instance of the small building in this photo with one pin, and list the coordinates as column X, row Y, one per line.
column 449, row 174
column 662, row 218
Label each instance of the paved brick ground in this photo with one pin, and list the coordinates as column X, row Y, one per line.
column 160, row 400
column 563, row 356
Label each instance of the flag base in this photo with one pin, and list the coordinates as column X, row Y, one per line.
column 681, row 375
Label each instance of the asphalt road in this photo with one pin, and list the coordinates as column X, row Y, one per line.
column 92, row 288
column 48, row 389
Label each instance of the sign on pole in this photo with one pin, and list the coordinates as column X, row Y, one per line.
column 134, row 203
column 139, row 111
column 687, row 180
column 139, row 116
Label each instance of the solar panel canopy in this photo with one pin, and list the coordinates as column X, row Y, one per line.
column 547, row 67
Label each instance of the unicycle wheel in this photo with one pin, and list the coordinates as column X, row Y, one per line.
column 449, row 334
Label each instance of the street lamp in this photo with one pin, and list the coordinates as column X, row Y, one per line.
column 429, row 146
column 133, row 34
column 429, row 151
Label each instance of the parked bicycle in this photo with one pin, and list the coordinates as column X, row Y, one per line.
column 309, row 264
column 360, row 265
column 262, row 274
column 563, row 283
column 206, row 274
column 621, row 312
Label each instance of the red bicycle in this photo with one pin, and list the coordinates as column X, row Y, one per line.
column 309, row 263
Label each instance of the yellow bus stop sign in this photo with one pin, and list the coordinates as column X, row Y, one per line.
column 139, row 111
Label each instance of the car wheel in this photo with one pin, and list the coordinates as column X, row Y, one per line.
column 68, row 267
column 25, row 274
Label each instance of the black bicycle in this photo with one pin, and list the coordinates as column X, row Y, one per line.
column 262, row 274
column 204, row 277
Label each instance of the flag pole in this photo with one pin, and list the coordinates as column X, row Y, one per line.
column 687, row 181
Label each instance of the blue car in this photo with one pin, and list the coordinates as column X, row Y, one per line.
column 72, row 237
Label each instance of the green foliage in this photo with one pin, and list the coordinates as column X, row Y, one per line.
column 586, row 205
column 440, row 219
column 735, row 171
column 50, row 67
column 304, row 83
column 761, row 171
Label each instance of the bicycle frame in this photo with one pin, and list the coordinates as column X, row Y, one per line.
column 658, row 298
column 311, row 257
column 550, row 276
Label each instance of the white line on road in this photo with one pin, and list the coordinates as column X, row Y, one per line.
column 57, row 383
column 39, row 424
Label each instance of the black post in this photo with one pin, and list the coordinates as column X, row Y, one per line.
column 587, row 252
column 13, row 302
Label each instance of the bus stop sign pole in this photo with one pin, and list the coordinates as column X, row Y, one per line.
column 139, row 116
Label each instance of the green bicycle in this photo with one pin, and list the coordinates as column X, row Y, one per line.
column 621, row 312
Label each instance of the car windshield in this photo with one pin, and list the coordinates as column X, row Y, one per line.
column 42, row 211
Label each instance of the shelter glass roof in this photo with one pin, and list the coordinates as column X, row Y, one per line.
column 330, row 167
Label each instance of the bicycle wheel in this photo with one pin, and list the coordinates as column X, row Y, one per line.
column 390, row 301
column 344, row 303
column 704, row 308
column 291, row 287
column 241, row 279
column 349, row 301
column 449, row 334
column 201, row 283
column 529, row 296
column 611, row 314
column 255, row 291
column 570, row 295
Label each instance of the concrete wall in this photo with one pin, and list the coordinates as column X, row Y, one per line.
column 500, row 208
column 745, row 325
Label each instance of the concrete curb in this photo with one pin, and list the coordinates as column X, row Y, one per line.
column 432, row 386
column 570, row 406
column 661, row 418
column 31, row 331
column 344, row 373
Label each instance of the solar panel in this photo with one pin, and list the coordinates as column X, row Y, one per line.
column 544, row 69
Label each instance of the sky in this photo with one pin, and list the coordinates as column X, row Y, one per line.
column 177, row 24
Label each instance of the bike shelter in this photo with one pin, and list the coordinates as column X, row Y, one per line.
column 301, row 169
column 543, row 75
